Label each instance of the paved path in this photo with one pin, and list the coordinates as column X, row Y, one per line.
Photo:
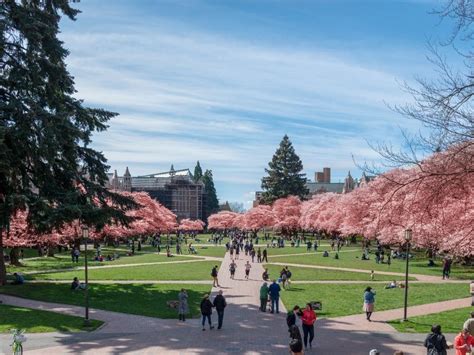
column 419, row 277
column 379, row 319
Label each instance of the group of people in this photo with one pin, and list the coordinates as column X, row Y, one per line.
column 436, row 343
column 206, row 306
column 301, row 319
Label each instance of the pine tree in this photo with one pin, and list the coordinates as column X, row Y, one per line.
column 197, row 172
column 47, row 166
column 211, row 201
column 284, row 174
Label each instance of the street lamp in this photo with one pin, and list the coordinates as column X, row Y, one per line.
column 408, row 234
column 85, row 236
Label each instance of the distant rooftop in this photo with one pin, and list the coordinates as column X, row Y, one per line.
column 167, row 174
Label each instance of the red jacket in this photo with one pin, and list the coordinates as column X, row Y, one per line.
column 309, row 317
column 460, row 342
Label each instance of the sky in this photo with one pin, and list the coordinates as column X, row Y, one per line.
column 223, row 81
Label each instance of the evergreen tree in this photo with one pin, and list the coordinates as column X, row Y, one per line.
column 47, row 166
column 197, row 172
column 284, row 174
column 211, row 201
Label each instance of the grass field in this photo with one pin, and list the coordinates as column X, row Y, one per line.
column 195, row 270
column 351, row 259
column 346, row 299
column 147, row 300
column 36, row 321
column 64, row 262
column 309, row 274
column 450, row 321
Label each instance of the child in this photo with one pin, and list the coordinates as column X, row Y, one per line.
column 372, row 275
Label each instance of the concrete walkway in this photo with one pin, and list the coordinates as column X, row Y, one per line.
column 419, row 277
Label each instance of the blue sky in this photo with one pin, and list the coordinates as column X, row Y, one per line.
column 222, row 81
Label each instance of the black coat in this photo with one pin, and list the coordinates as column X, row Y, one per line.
column 436, row 344
column 220, row 303
column 206, row 307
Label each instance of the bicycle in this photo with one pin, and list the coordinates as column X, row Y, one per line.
column 18, row 339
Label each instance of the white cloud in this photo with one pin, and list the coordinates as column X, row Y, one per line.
column 195, row 96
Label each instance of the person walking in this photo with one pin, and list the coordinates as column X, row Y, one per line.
column 259, row 256
column 263, row 297
column 463, row 343
column 232, row 268
column 446, row 267
column 435, row 342
column 237, row 252
column 214, row 276
column 369, row 302
column 274, row 291
column 247, row 270
column 265, row 255
column 293, row 317
column 183, row 308
column 308, row 318
column 469, row 324
column 252, row 254
column 220, row 303
column 206, row 312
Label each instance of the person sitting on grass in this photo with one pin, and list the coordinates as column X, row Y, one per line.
column 19, row 279
column 392, row 284
column 76, row 285
column 325, row 254
column 265, row 275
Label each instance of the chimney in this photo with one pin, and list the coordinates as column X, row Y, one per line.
column 327, row 175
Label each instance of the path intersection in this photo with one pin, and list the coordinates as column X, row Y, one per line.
column 246, row 330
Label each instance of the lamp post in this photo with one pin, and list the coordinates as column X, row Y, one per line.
column 85, row 236
column 408, row 234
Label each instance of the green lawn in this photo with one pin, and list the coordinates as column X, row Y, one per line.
column 218, row 251
column 195, row 270
column 450, row 321
column 302, row 250
column 62, row 261
column 310, row 274
column 147, row 300
column 351, row 259
column 346, row 299
column 36, row 321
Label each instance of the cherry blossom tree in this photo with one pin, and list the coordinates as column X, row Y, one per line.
column 257, row 218
column 188, row 225
column 287, row 213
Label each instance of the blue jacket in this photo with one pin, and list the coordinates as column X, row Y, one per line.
column 274, row 290
column 369, row 297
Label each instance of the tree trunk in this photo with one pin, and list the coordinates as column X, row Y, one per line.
column 50, row 251
column 15, row 256
column 3, row 270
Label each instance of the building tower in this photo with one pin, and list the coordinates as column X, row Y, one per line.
column 327, row 175
column 349, row 184
column 172, row 171
column 115, row 183
column 127, row 181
